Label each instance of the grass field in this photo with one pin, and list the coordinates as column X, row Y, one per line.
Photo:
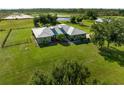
column 19, row 60
column 85, row 27
column 19, row 36
column 16, row 24
column 2, row 36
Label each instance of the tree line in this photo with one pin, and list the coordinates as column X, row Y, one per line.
column 101, row 12
column 90, row 15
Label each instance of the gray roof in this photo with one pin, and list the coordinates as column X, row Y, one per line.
column 42, row 32
column 56, row 30
column 71, row 30
column 99, row 20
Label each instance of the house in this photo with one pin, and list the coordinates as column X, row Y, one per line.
column 99, row 20
column 48, row 34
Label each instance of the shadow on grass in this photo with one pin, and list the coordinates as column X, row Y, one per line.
column 113, row 54
column 64, row 43
column 16, row 44
column 47, row 45
column 78, row 42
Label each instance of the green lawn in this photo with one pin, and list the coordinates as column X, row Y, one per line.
column 14, row 24
column 19, row 61
column 85, row 27
column 117, row 17
column 2, row 36
column 19, row 36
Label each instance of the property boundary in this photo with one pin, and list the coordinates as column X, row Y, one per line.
column 2, row 45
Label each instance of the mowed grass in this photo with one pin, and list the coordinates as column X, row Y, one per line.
column 16, row 24
column 18, row 62
column 19, row 36
column 2, row 36
column 85, row 27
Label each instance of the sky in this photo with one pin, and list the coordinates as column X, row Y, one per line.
column 13, row 4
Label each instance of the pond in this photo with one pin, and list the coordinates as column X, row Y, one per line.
column 63, row 19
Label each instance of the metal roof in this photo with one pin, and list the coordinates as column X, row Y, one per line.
column 71, row 30
column 56, row 30
column 42, row 32
column 99, row 20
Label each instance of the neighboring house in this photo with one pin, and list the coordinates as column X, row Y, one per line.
column 47, row 34
column 99, row 20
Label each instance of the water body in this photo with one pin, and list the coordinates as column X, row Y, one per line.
column 63, row 19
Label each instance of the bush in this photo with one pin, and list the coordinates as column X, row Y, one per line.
column 39, row 78
column 91, row 15
column 68, row 73
column 36, row 22
column 61, row 37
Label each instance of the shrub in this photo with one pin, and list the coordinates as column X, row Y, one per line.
column 61, row 37
column 68, row 73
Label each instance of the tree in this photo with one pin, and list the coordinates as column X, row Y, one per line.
column 73, row 19
column 68, row 73
column 98, row 36
column 91, row 15
column 54, row 19
column 43, row 19
column 79, row 19
column 110, row 30
column 36, row 22
column 48, row 19
column 117, row 34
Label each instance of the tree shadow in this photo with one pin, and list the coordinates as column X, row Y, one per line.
column 113, row 54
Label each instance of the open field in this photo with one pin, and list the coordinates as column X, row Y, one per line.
column 22, row 57
column 16, row 24
column 58, row 14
